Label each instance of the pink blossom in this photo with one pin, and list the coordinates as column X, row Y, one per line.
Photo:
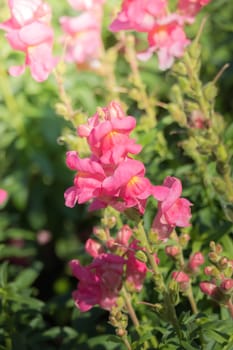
column 28, row 30
column 138, row 15
column 85, row 4
column 172, row 210
column 87, row 182
column 195, row 261
column 82, row 37
column 191, row 7
column 108, row 132
column 128, row 184
column 99, row 282
column 168, row 39
column 135, row 269
column 3, row 196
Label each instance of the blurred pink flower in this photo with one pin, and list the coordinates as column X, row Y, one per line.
column 168, row 39
column 172, row 210
column 138, row 15
column 87, row 182
column 3, row 196
column 209, row 288
column 82, row 37
column 99, row 282
column 191, row 7
column 28, row 30
column 85, row 4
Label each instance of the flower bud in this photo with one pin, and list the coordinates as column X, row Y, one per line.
column 210, row 91
column 184, row 239
column 93, row 248
column 177, row 114
column 195, row 261
column 227, row 285
column 172, row 250
column 209, row 288
column 182, row 279
column 141, row 256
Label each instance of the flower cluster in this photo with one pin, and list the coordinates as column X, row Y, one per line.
column 109, row 176
column 101, row 281
column 165, row 30
column 28, row 30
column 220, row 285
column 82, row 34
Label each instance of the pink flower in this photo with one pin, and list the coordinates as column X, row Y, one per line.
column 129, row 185
column 83, row 37
column 108, row 132
column 99, row 282
column 191, row 7
column 85, row 4
column 168, row 39
column 28, row 30
column 3, row 196
column 135, row 269
column 88, row 180
column 195, row 261
column 172, row 210
column 138, row 15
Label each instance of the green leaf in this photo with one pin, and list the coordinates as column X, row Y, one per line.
column 215, row 335
column 3, row 274
column 27, row 277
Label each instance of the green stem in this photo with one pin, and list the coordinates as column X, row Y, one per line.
column 169, row 307
column 126, row 342
column 130, row 308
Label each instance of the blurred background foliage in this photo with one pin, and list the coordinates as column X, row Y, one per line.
column 38, row 234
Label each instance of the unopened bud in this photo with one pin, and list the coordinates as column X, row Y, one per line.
column 179, row 68
column 194, row 50
column 210, row 91
column 172, row 250
column 141, row 256
column 182, row 279
column 93, row 248
column 212, row 271
column 195, row 261
column 227, row 285
column 209, row 288
column 100, row 233
column 223, row 263
column 184, row 239
column 213, row 257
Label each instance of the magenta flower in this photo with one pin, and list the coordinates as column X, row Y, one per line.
column 88, row 180
column 128, row 184
column 3, row 196
column 28, row 30
column 85, row 4
column 99, row 283
column 172, row 210
column 168, row 39
column 138, row 15
column 182, row 279
column 82, row 36
column 191, row 8
column 107, row 134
